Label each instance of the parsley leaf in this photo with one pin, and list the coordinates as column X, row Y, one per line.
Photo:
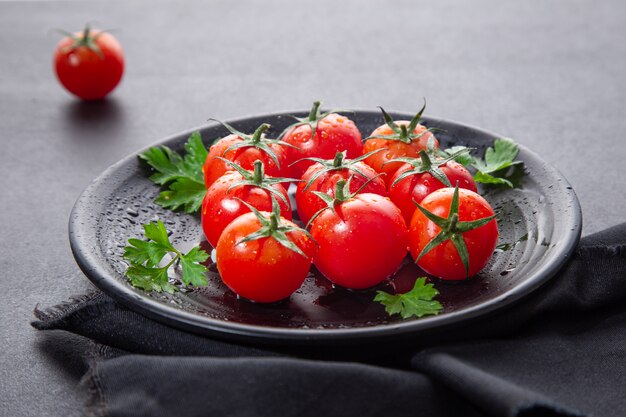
column 499, row 157
column 158, row 233
column 150, row 279
column 193, row 271
column 464, row 159
column 141, row 252
column 494, row 169
column 183, row 192
column 483, row 178
column 418, row 302
column 145, row 257
column 183, row 175
column 499, row 166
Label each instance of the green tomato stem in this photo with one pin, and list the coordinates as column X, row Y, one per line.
column 426, row 163
column 256, row 136
column 274, row 221
column 339, row 188
column 314, row 111
column 454, row 218
column 404, row 134
column 176, row 258
column 259, row 172
column 338, row 161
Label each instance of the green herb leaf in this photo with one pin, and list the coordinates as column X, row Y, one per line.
column 140, row 252
column 484, row 178
column 145, row 257
column 182, row 193
column 193, row 272
column 501, row 156
column 158, row 233
column 183, row 174
column 464, row 158
column 495, row 167
column 149, row 279
column 418, row 302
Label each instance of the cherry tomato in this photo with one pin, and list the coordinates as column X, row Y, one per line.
column 362, row 241
column 325, row 181
column 417, row 185
column 333, row 133
column 444, row 260
column 399, row 141
column 244, row 150
column 223, row 204
column 264, row 269
column 89, row 64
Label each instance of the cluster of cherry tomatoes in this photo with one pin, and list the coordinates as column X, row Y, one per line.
column 364, row 204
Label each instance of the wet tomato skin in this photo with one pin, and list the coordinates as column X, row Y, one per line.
column 394, row 149
column 418, row 186
column 444, row 261
column 214, row 168
column 220, row 206
column 334, row 133
column 308, row 203
column 362, row 243
column 262, row 270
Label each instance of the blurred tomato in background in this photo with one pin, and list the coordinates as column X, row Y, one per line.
column 89, row 64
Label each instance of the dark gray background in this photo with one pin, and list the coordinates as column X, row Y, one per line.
column 549, row 74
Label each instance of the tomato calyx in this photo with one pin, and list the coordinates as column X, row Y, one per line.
column 427, row 162
column 256, row 140
column 315, row 115
column 85, row 39
column 338, row 163
column 404, row 133
column 342, row 194
column 273, row 227
column 452, row 229
column 257, row 178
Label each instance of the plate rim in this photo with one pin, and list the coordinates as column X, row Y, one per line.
column 122, row 292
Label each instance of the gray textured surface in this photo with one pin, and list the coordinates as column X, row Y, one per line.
column 550, row 74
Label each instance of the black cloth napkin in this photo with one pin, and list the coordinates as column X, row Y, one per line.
column 559, row 352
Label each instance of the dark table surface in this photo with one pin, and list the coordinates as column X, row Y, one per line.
column 549, row 74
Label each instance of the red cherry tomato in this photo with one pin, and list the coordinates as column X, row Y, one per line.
column 444, row 260
column 262, row 270
column 221, row 205
column 395, row 148
column 334, row 133
column 256, row 148
column 308, row 203
column 416, row 187
column 361, row 242
column 89, row 64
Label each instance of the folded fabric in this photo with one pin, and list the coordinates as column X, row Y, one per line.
column 559, row 352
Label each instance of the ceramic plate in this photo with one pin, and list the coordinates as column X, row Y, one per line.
column 540, row 225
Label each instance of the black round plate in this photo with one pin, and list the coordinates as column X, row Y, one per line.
column 540, row 225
